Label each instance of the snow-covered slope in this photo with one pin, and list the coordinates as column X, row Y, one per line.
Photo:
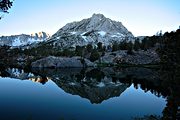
column 23, row 39
column 96, row 29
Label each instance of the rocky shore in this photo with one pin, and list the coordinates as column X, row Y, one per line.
column 112, row 58
column 62, row 62
column 140, row 57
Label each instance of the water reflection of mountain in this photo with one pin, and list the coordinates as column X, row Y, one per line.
column 90, row 84
column 95, row 94
column 23, row 75
column 97, row 84
column 101, row 84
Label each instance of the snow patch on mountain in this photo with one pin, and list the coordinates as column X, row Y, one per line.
column 73, row 33
column 102, row 33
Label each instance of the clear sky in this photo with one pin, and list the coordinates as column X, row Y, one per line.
column 141, row 17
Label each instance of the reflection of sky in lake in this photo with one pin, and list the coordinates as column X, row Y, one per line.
column 26, row 100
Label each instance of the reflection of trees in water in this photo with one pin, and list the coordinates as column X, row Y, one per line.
column 148, row 117
column 96, row 74
column 91, row 84
column 171, row 79
column 146, row 79
column 159, row 82
column 101, row 82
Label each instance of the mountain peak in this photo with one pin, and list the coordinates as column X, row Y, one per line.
column 40, row 35
column 98, row 22
column 95, row 29
column 98, row 15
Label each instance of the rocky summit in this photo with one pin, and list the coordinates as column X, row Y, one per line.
column 96, row 29
column 23, row 39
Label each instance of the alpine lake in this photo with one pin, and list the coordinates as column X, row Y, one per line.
column 108, row 93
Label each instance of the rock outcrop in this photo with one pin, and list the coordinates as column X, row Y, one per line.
column 140, row 57
column 62, row 62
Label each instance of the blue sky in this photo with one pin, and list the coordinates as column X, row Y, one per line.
column 141, row 17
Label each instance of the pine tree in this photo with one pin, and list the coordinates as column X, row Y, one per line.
column 5, row 5
column 100, row 47
column 94, row 55
column 137, row 45
column 89, row 48
column 115, row 46
column 129, row 48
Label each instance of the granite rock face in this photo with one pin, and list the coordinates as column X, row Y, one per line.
column 62, row 62
column 96, row 29
column 97, row 22
column 140, row 57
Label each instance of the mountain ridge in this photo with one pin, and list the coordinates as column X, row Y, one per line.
column 23, row 39
column 92, row 30
column 93, row 23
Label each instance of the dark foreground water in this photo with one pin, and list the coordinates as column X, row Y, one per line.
column 76, row 94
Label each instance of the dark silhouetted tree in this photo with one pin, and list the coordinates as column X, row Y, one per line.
column 5, row 5
column 115, row 46
column 80, row 50
column 129, row 48
column 100, row 47
column 89, row 48
column 137, row 45
column 169, row 53
column 94, row 55
column 123, row 45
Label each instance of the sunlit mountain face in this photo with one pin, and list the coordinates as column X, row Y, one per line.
column 92, row 30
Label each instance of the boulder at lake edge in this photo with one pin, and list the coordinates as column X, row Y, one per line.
column 62, row 62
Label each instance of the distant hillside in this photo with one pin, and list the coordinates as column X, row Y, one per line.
column 23, row 39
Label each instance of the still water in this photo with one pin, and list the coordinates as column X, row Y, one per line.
column 76, row 94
